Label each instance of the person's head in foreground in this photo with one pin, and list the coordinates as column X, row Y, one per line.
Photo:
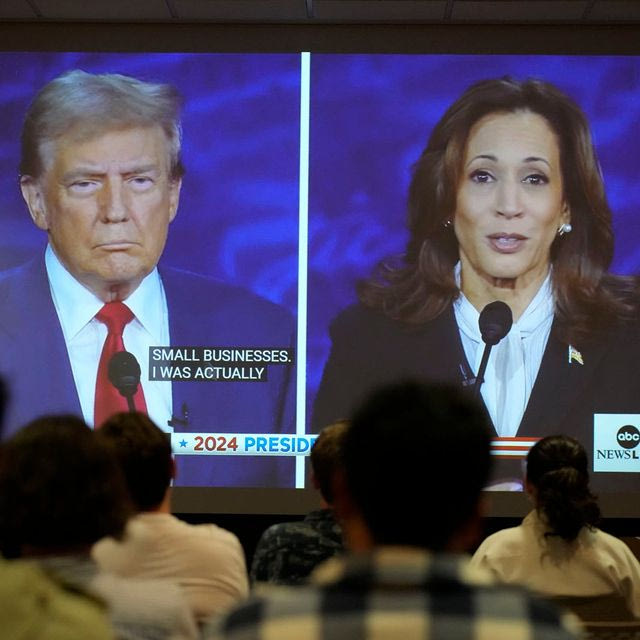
column 415, row 460
column 558, row 482
column 415, row 457
column 509, row 187
column 144, row 454
column 326, row 458
column 60, row 490
column 101, row 174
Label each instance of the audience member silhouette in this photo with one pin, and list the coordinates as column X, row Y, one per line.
column 60, row 492
column 406, row 576
column 557, row 550
column 32, row 605
column 288, row 552
column 207, row 561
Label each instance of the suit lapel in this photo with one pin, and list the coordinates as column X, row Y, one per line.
column 186, row 397
column 558, row 385
column 43, row 380
column 443, row 339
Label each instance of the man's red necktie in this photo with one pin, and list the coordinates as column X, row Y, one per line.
column 108, row 400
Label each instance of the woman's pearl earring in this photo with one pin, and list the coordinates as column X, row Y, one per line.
column 564, row 228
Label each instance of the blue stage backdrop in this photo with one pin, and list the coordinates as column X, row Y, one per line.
column 371, row 116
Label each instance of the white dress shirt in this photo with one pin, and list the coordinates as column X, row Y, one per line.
column 84, row 335
column 514, row 362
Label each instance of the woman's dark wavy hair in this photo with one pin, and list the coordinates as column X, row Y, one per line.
column 557, row 467
column 422, row 285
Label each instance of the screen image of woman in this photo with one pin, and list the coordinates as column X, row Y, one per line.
column 506, row 202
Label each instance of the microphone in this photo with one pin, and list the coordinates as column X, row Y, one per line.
column 494, row 323
column 124, row 375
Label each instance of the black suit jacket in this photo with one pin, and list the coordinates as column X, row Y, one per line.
column 369, row 350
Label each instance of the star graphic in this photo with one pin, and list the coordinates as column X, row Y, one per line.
column 183, row 443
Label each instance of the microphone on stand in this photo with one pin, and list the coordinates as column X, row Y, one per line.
column 494, row 322
column 124, row 374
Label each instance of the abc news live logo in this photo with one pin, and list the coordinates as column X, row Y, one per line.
column 616, row 442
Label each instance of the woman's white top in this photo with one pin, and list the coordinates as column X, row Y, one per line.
column 594, row 564
column 514, row 362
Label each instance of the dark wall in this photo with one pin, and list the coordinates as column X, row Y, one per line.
column 379, row 38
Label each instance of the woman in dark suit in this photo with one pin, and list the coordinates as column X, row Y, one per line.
column 506, row 203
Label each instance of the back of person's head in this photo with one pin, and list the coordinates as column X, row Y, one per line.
column 416, row 457
column 557, row 468
column 144, row 454
column 60, row 490
column 326, row 457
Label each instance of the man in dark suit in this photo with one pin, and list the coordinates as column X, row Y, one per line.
column 101, row 175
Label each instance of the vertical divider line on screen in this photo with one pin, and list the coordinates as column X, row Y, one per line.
column 303, row 237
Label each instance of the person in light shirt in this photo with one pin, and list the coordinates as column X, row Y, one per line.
column 558, row 549
column 506, row 203
column 101, row 175
column 206, row 560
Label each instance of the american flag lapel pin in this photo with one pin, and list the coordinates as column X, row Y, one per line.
column 575, row 355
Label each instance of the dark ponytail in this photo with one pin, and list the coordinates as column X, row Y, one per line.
column 557, row 468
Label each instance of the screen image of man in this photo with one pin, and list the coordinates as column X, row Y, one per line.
column 101, row 174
